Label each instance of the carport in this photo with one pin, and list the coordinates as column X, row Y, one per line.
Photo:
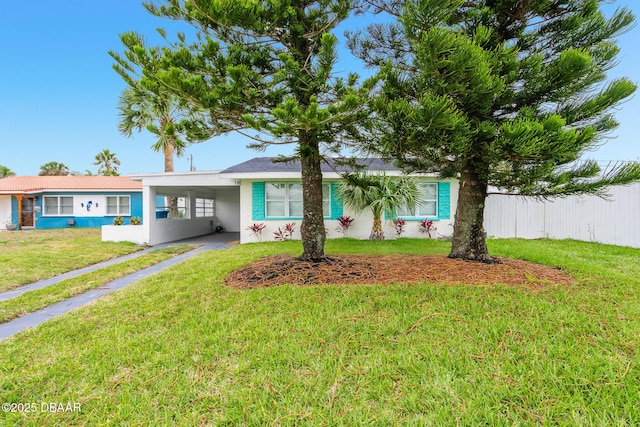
column 204, row 202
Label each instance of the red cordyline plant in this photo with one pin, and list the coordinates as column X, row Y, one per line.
column 290, row 228
column 287, row 233
column 344, row 222
column 256, row 230
column 426, row 227
column 399, row 225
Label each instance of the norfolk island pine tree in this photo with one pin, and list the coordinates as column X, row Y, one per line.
column 265, row 70
column 498, row 93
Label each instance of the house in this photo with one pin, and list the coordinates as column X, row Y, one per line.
column 263, row 192
column 40, row 202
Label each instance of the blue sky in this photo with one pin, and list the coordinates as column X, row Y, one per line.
column 58, row 92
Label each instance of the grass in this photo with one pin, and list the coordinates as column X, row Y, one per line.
column 32, row 301
column 179, row 348
column 32, row 255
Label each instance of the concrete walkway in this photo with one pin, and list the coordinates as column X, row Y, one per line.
column 209, row 242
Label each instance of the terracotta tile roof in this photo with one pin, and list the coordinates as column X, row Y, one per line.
column 29, row 184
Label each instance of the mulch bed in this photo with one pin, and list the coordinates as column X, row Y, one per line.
column 388, row 269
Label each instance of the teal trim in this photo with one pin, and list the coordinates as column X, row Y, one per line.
column 257, row 201
column 394, row 217
column 444, row 205
column 444, row 200
column 337, row 209
column 285, row 218
column 258, row 208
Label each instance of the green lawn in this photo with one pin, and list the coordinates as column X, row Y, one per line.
column 32, row 255
column 180, row 348
column 32, row 301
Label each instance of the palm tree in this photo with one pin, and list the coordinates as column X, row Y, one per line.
column 54, row 169
column 158, row 113
column 5, row 172
column 108, row 163
column 141, row 109
column 379, row 194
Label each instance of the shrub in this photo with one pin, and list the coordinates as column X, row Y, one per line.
column 344, row 222
column 426, row 227
column 256, row 230
column 287, row 233
column 399, row 225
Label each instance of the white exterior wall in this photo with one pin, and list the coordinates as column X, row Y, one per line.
column 123, row 233
column 5, row 211
column 154, row 231
column 227, row 208
column 171, row 229
column 360, row 228
column 246, row 217
column 190, row 185
column 589, row 218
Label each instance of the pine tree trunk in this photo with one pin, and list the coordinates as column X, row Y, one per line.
column 468, row 230
column 312, row 229
column 376, row 230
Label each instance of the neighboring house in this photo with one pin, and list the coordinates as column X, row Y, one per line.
column 261, row 191
column 40, row 202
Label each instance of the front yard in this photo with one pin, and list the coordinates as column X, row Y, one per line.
column 180, row 348
column 32, row 255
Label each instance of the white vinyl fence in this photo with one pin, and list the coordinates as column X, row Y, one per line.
column 615, row 220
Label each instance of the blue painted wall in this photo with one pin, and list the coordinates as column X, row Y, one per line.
column 47, row 222
column 14, row 210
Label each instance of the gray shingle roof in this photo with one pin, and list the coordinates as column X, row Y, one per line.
column 266, row 164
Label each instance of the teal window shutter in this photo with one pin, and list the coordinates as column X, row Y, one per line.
column 257, row 201
column 336, row 202
column 444, row 200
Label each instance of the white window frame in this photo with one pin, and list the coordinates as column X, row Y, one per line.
column 326, row 200
column 205, row 208
column 59, row 206
column 119, row 205
column 403, row 213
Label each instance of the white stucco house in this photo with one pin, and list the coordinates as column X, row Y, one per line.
column 260, row 191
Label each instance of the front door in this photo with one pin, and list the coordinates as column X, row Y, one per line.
column 28, row 204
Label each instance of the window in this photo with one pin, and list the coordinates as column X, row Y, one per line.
column 172, row 207
column 284, row 200
column 118, row 205
column 428, row 205
column 58, row 205
column 205, row 207
column 183, row 208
